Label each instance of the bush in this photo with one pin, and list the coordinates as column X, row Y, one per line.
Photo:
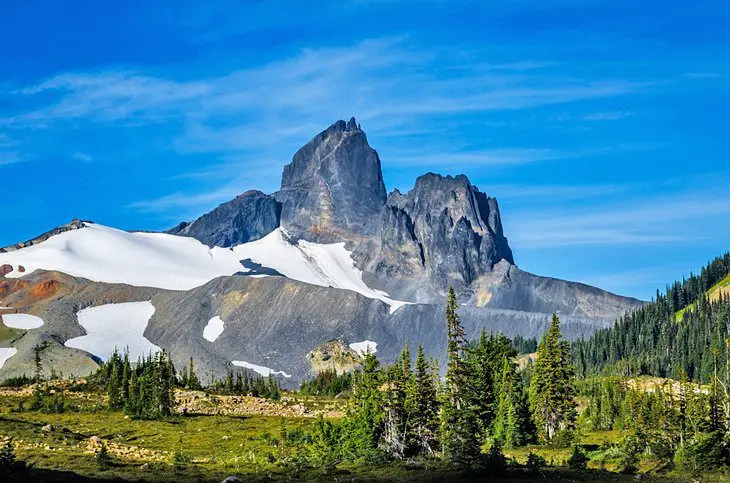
column 629, row 453
column 103, row 458
column 495, row 460
column 706, row 452
column 180, row 460
column 9, row 463
column 535, row 462
column 578, row 460
column 17, row 381
column 563, row 439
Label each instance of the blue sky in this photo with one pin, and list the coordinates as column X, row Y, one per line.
column 600, row 126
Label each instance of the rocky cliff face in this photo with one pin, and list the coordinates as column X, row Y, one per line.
column 444, row 230
column 249, row 217
column 333, row 189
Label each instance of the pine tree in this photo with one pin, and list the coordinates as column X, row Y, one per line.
column 552, row 391
column 459, row 423
column 422, row 404
column 513, row 425
column 126, row 376
column 363, row 424
column 395, row 436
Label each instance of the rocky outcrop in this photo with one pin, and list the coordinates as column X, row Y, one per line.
column 249, row 217
column 333, row 189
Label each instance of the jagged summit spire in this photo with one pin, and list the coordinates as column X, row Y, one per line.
column 342, row 126
column 333, row 188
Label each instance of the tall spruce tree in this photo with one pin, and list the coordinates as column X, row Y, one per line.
column 552, row 390
column 363, row 424
column 395, row 436
column 423, row 407
column 513, row 425
column 459, row 424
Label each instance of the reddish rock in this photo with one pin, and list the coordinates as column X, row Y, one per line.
column 21, row 268
column 46, row 288
column 5, row 269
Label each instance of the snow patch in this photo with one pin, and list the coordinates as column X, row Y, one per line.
column 6, row 353
column 104, row 254
column 115, row 326
column 22, row 321
column 326, row 265
column 213, row 329
column 261, row 370
column 364, row 347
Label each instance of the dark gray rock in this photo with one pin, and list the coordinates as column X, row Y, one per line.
column 444, row 232
column 249, row 217
column 333, row 189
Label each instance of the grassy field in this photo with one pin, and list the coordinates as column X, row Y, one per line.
column 212, row 447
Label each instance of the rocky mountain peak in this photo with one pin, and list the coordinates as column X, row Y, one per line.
column 444, row 231
column 333, row 189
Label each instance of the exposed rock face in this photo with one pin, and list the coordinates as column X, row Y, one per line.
column 445, row 230
column 249, row 217
column 333, row 189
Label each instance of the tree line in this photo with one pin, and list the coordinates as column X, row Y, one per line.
column 145, row 390
column 658, row 340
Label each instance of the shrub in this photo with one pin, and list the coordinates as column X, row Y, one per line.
column 706, row 452
column 19, row 381
column 180, row 460
column 563, row 439
column 578, row 460
column 103, row 458
column 495, row 460
column 629, row 453
column 9, row 463
column 535, row 462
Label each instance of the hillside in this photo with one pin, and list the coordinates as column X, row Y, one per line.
column 682, row 332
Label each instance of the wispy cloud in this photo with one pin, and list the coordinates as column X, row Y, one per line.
column 608, row 116
column 82, row 157
column 305, row 90
column 9, row 158
column 641, row 222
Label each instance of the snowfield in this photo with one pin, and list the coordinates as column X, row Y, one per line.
column 115, row 326
column 22, row 321
column 364, row 347
column 104, row 254
column 6, row 353
column 261, row 370
column 213, row 329
column 327, row 265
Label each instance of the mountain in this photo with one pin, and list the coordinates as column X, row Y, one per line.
column 249, row 217
column 330, row 256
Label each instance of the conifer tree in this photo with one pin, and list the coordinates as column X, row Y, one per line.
column 363, row 424
column 459, row 424
column 512, row 426
column 395, row 436
column 423, row 407
column 552, row 391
